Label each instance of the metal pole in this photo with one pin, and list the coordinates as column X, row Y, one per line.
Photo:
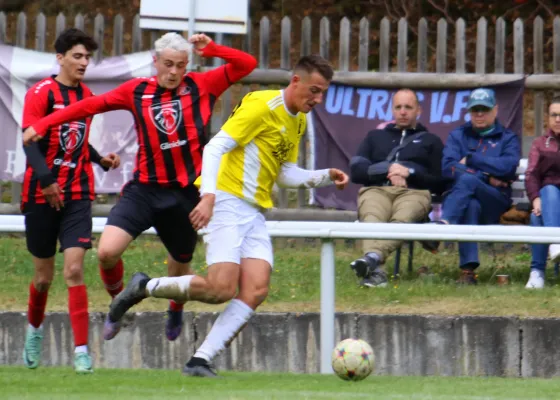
column 327, row 305
column 190, row 65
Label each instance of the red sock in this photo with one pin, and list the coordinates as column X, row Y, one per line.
column 173, row 306
column 36, row 306
column 78, row 310
column 113, row 278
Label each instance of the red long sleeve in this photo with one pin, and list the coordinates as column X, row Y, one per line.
column 116, row 99
column 239, row 64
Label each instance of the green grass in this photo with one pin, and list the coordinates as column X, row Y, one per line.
column 62, row 383
column 295, row 282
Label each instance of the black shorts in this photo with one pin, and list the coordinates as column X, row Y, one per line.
column 44, row 225
column 142, row 206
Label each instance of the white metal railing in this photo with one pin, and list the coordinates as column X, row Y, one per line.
column 328, row 231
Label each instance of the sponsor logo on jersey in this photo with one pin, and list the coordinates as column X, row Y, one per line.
column 170, row 145
column 62, row 163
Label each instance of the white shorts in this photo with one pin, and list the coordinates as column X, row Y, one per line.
column 237, row 230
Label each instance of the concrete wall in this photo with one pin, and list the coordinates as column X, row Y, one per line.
column 403, row 344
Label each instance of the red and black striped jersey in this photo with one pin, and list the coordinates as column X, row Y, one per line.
column 65, row 146
column 170, row 123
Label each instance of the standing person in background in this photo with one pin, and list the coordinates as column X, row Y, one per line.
column 58, row 188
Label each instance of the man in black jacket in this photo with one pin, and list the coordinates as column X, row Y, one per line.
column 400, row 168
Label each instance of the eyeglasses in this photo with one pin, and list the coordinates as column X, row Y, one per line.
column 554, row 115
column 480, row 109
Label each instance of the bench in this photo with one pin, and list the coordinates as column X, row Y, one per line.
column 519, row 196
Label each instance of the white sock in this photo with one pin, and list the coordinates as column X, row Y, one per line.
column 32, row 328
column 170, row 287
column 226, row 327
column 81, row 349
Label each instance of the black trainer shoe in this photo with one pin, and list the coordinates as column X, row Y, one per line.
column 199, row 367
column 363, row 267
column 132, row 294
column 377, row 278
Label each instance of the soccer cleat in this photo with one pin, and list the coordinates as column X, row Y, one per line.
column 199, row 367
column 132, row 294
column 32, row 347
column 110, row 328
column 174, row 324
column 82, row 363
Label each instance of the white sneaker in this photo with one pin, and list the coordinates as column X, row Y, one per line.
column 536, row 280
column 554, row 252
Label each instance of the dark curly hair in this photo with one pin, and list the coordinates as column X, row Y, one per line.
column 70, row 38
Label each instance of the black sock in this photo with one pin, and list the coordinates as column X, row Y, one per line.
column 196, row 361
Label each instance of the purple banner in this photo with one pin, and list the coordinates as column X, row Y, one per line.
column 348, row 113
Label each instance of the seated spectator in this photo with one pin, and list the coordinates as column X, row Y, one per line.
column 399, row 166
column 480, row 159
column 542, row 181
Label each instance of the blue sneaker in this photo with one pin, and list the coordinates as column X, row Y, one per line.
column 174, row 324
column 32, row 347
column 82, row 363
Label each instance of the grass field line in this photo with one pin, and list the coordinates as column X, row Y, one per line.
column 298, row 394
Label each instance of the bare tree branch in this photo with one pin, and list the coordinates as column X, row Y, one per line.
column 444, row 10
column 548, row 10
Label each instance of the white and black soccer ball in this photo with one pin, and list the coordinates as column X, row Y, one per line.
column 352, row 359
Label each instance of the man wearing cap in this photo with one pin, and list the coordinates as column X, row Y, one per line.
column 480, row 159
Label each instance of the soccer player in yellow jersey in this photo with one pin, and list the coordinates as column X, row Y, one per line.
column 256, row 147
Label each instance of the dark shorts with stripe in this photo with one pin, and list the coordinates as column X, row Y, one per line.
column 44, row 226
column 143, row 206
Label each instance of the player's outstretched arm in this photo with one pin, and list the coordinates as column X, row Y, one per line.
column 291, row 176
column 117, row 99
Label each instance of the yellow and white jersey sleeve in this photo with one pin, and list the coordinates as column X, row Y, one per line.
column 267, row 135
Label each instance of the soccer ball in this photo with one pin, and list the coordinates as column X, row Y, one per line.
column 352, row 359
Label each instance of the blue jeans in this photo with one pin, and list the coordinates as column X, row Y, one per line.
column 473, row 202
column 550, row 217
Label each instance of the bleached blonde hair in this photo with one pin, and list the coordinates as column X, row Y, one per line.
column 174, row 41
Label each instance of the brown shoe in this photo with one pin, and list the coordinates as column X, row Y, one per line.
column 468, row 277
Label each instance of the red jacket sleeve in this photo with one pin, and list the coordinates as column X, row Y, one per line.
column 533, row 181
column 120, row 98
column 35, row 106
column 239, row 64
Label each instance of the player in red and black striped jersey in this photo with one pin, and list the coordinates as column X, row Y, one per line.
column 58, row 188
column 171, row 112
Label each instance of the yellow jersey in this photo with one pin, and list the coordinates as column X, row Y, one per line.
column 267, row 135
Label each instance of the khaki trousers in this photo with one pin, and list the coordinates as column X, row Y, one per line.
column 391, row 204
